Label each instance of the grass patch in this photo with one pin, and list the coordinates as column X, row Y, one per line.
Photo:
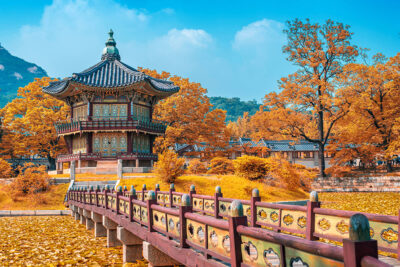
column 53, row 199
column 386, row 203
column 232, row 187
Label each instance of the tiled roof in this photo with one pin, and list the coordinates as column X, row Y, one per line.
column 281, row 145
column 108, row 74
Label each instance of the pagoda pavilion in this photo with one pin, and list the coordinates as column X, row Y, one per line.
column 111, row 114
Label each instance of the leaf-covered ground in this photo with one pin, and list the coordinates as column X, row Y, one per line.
column 53, row 241
column 375, row 202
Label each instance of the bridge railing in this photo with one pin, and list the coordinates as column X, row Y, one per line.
column 236, row 234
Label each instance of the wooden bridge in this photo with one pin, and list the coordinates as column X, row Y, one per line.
column 172, row 228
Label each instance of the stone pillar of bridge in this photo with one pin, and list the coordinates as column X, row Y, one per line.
column 119, row 168
column 111, row 227
column 156, row 257
column 82, row 218
column 76, row 211
column 88, row 217
column 131, row 245
column 99, row 229
column 72, row 170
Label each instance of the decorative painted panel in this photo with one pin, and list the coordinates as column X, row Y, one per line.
column 247, row 211
column 257, row 252
column 219, row 241
column 136, row 212
column 297, row 258
column 124, row 206
column 140, row 112
column 173, row 225
column 110, row 111
column 79, row 144
column 80, row 113
column 295, row 220
column 267, row 215
column 176, row 200
column 198, row 203
column 141, row 143
column 224, row 207
column 160, row 220
column 209, row 205
column 160, row 198
column 385, row 233
column 196, row 232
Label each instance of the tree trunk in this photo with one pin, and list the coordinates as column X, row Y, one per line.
column 321, row 158
column 389, row 167
column 321, row 149
column 52, row 162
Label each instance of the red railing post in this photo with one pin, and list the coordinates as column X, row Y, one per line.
column 118, row 194
column 97, row 195
column 157, row 188
column 107, row 189
column 171, row 190
column 132, row 196
column 310, row 225
column 236, row 218
column 191, row 193
column 255, row 197
column 151, row 199
column 186, row 207
column 360, row 243
column 143, row 189
column 217, row 195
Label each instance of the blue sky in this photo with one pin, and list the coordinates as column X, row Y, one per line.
column 233, row 48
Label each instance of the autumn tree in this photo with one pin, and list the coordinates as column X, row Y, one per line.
column 369, row 129
column 307, row 106
column 189, row 117
column 28, row 123
column 241, row 127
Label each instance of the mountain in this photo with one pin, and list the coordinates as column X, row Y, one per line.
column 234, row 106
column 14, row 73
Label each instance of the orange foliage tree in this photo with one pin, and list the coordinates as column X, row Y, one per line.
column 240, row 128
column 221, row 165
column 308, row 106
column 196, row 166
column 169, row 166
column 5, row 169
column 28, row 123
column 189, row 117
column 369, row 129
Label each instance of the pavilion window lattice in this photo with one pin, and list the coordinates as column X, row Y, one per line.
column 109, row 144
column 141, row 113
column 80, row 113
column 79, row 144
column 141, row 144
column 110, row 111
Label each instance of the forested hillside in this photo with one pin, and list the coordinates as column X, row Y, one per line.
column 234, row 106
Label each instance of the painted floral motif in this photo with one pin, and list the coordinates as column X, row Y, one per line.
column 324, row 224
column 171, row 224
column 302, row 221
column 288, row 219
column 200, row 234
column 262, row 214
column 342, row 227
column 389, row 235
column 271, row 258
column 251, row 251
column 274, row 216
column 226, row 243
column 214, row 239
column 222, row 207
column 297, row 262
column 248, row 212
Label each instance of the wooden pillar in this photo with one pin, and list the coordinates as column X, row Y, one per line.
column 217, row 195
column 255, row 197
column 184, row 208
column 89, row 142
column 90, row 111
column 236, row 218
column 310, row 225
column 129, row 143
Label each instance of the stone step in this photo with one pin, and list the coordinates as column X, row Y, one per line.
column 107, row 163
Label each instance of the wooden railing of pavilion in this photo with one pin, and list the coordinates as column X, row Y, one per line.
column 110, row 123
column 100, row 156
column 247, row 232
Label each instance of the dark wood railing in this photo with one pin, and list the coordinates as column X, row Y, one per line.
column 247, row 232
column 116, row 123
column 100, row 156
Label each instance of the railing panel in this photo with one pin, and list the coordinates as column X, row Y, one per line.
column 176, row 200
column 224, row 208
column 198, row 203
column 257, row 252
column 196, row 232
column 209, row 205
column 160, row 220
column 173, row 225
column 219, row 241
column 267, row 216
column 294, row 257
column 336, row 228
column 136, row 212
column 293, row 221
column 124, row 206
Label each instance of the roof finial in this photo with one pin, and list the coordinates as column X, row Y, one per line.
column 110, row 52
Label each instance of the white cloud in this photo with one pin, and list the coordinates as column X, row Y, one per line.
column 1, row 67
column 17, row 76
column 260, row 34
column 186, row 39
column 69, row 31
column 33, row 69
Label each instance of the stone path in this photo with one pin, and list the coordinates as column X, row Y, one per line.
column 388, row 260
column 13, row 213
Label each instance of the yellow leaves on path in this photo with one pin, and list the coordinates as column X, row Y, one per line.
column 377, row 202
column 53, row 241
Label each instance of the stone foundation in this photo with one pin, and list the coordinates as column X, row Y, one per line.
column 357, row 184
